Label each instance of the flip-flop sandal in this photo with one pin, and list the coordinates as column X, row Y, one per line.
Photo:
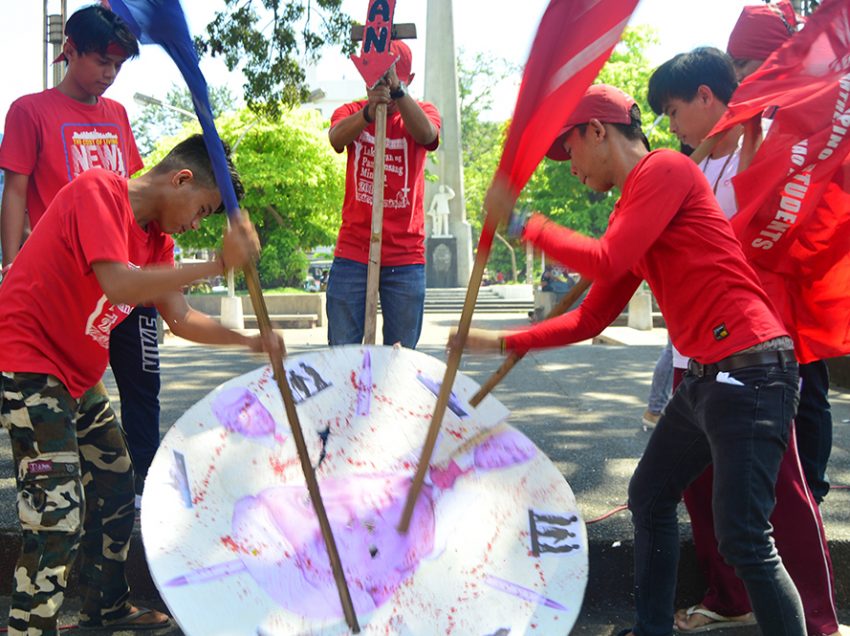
column 126, row 623
column 718, row 621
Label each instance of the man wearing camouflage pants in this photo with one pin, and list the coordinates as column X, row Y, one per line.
column 45, row 423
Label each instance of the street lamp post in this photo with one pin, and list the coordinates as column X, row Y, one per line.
column 147, row 100
column 54, row 27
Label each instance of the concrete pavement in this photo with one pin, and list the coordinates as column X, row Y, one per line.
column 581, row 405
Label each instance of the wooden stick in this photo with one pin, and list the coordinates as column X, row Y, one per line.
column 563, row 306
column 373, row 275
column 481, row 256
column 262, row 313
column 707, row 145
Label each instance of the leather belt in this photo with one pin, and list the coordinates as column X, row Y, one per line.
column 741, row 360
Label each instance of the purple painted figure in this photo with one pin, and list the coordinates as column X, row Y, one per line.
column 239, row 411
column 277, row 539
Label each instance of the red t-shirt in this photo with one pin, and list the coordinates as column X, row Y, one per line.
column 53, row 139
column 403, row 237
column 54, row 317
column 668, row 229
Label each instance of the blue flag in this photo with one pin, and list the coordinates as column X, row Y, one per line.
column 163, row 22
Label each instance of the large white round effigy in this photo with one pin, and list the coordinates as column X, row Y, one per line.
column 496, row 544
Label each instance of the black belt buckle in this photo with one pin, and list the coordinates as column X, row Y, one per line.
column 696, row 369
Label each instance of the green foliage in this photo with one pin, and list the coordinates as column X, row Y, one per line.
column 294, row 186
column 156, row 122
column 269, row 40
column 481, row 141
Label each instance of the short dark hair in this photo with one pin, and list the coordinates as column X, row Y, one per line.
column 681, row 76
column 94, row 28
column 192, row 153
column 633, row 130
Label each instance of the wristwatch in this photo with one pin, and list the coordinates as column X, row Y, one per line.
column 399, row 92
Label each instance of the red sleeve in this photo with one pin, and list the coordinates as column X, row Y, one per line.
column 21, row 143
column 96, row 220
column 433, row 115
column 345, row 111
column 601, row 306
column 653, row 194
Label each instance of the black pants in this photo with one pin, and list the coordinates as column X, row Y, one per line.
column 814, row 426
column 134, row 358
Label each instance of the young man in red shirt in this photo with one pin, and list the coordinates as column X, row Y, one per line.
column 693, row 89
column 413, row 129
column 53, row 137
column 735, row 405
column 102, row 246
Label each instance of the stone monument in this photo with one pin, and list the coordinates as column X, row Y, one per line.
column 441, row 89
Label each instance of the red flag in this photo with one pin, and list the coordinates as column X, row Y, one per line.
column 574, row 40
column 794, row 207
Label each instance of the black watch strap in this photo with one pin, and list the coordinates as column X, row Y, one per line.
column 365, row 112
column 399, row 92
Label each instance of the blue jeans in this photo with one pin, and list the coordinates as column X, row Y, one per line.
column 743, row 430
column 402, row 292
column 662, row 381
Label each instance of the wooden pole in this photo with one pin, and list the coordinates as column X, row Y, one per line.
column 563, row 306
column 481, row 256
column 262, row 313
column 373, row 275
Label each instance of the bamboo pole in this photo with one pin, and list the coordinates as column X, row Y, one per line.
column 373, row 275
column 262, row 313
column 481, row 256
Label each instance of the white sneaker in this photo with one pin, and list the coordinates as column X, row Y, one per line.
column 649, row 420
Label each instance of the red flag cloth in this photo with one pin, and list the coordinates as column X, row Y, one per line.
column 793, row 199
column 574, row 40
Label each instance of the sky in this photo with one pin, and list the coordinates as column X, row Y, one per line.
column 499, row 30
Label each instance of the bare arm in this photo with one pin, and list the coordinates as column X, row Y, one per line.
column 347, row 130
column 125, row 286
column 196, row 326
column 416, row 121
column 12, row 215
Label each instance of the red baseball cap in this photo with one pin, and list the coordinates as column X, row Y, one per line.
column 606, row 103
column 405, row 60
column 761, row 29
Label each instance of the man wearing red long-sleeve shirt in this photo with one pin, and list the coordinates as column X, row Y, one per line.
column 735, row 405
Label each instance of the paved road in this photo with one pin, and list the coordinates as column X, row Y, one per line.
column 581, row 405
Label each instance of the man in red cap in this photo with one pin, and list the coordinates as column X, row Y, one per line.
column 413, row 129
column 759, row 31
column 733, row 408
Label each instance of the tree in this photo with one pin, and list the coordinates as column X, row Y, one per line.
column 481, row 140
column 157, row 121
column 294, row 187
column 271, row 56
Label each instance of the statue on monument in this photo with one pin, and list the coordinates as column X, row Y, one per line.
column 439, row 212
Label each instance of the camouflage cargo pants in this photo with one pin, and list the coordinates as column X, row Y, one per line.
column 75, row 490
